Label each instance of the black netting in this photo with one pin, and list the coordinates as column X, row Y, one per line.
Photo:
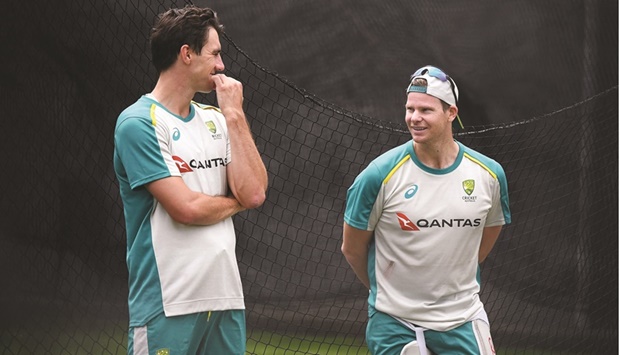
column 550, row 285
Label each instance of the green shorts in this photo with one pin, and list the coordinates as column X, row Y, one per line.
column 387, row 336
column 217, row 332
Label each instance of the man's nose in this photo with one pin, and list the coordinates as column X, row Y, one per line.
column 415, row 116
column 219, row 65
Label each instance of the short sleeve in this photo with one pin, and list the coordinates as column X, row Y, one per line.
column 500, row 210
column 143, row 152
column 362, row 197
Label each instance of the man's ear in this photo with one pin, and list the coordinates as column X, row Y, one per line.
column 185, row 53
column 452, row 112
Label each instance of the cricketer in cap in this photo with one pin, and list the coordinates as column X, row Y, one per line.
column 433, row 81
column 418, row 221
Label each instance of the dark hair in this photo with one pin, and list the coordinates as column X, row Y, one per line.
column 423, row 83
column 177, row 27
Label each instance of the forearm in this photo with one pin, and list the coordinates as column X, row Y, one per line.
column 192, row 207
column 247, row 175
column 208, row 210
column 355, row 243
column 489, row 237
column 359, row 264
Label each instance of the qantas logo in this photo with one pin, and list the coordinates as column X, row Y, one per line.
column 407, row 225
column 405, row 222
column 198, row 164
column 182, row 165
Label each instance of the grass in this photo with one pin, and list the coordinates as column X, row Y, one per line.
column 114, row 341
column 261, row 342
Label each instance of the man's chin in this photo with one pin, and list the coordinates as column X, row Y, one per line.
column 417, row 135
column 205, row 90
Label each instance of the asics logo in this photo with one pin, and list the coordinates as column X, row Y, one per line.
column 411, row 191
column 176, row 134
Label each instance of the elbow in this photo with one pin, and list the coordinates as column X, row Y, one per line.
column 348, row 254
column 250, row 195
column 184, row 215
column 182, row 218
column 354, row 256
column 254, row 201
column 343, row 250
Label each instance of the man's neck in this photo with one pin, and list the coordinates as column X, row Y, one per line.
column 437, row 155
column 173, row 94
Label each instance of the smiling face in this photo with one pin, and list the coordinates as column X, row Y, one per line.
column 208, row 62
column 426, row 118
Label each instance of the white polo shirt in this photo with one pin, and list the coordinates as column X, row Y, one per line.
column 427, row 224
column 175, row 268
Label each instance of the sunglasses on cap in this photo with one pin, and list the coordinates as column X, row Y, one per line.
column 438, row 74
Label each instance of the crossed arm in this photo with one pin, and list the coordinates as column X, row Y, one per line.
column 191, row 207
column 246, row 173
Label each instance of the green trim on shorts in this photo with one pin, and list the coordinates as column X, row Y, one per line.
column 387, row 336
column 216, row 332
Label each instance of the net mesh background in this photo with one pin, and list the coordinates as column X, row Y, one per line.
column 550, row 284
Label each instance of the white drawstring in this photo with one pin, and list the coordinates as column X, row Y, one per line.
column 419, row 334
column 419, row 331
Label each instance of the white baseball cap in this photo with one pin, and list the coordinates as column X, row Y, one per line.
column 439, row 85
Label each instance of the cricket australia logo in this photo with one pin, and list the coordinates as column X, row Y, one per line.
column 211, row 126
column 469, row 186
column 213, row 129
